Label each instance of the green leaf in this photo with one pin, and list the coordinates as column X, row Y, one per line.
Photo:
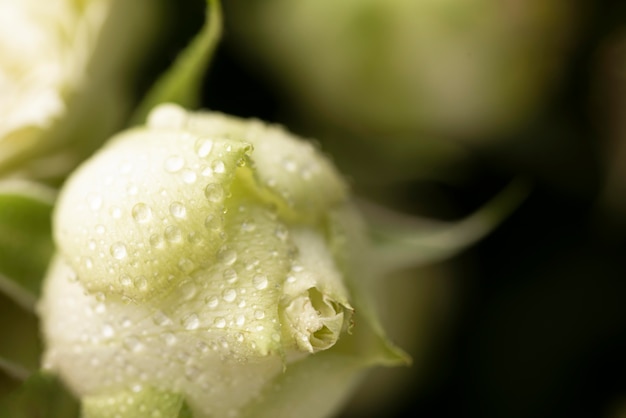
column 20, row 346
column 25, row 239
column 42, row 396
column 136, row 403
column 181, row 83
column 409, row 242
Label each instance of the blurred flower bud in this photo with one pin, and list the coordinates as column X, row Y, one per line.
column 214, row 258
column 403, row 72
column 62, row 68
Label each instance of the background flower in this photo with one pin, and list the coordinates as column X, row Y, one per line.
column 64, row 76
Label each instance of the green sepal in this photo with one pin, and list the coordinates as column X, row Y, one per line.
column 41, row 396
column 404, row 242
column 181, row 83
column 136, row 403
column 25, row 239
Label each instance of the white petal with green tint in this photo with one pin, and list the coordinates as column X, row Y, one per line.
column 183, row 268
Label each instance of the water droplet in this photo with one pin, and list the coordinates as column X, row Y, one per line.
column 107, row 331
column 141, row 213
column 91, row 244
column 202, row 347
column 281, row 232
column 214, row 193
column 259, row 282
column 218, row 167
column 160, row 319
column 204, row 147
column 141, row 283
column 219, row 322
column 229, row 295
column 227, row 256
column 156, row 241
column 116, row 213
column 185, row 265
column 289, row 165
column 118, row 251
column 125, row 281
column 72, row 276
column 88, row 263
column 191, row 322
column 248, row 226
column 194, row 238
column 132, row 190
column 132, row 343
column 212, row 302
column 187, row 289
column 167, row 116
column 230, row 275
column 172, row 233
column 259, row 314
column 178, row 210
column 213, row 223
column 100, row 229
column 189, row 176
column 94, row 201
column 169, row 338
column 291, row 279
column 174, row 163
column 240, row 321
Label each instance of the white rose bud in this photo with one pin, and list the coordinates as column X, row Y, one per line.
column 214, row 258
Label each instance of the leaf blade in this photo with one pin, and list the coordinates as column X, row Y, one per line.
column 181, row 83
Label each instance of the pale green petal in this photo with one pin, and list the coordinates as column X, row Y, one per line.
column 133, row 403
column 150, row 208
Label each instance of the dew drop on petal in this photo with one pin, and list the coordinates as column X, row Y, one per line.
column 125, row 281
column 174, row 163
column 156, row 241
column 259, row 282
column 107, row 331
column 187, row 289
column 116, row 212
column 230, row 275
column 178, row 210
column 141, row 212
column 259, row 314
column 94, row 201
column 172, row 233
column 118, row 251
column 191, row 322
column 219, row 322
column 204, row 147
column 218, row 167
column 189, row 176
column 212, row 301
column 88, row 263
column 227, row 256
column 214, row 193
column 229, row 295
column 169, row 338
column 161, row 319
column 141, row 283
